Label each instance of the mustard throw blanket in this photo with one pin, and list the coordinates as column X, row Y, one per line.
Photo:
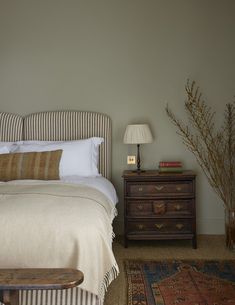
column 56, row 225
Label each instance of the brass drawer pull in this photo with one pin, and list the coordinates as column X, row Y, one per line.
column 160, row 205
column 179, row 226
column 179, row 188
column 159, row 225
column 159, row 208
column 140, row 226
column 159, row 188
column 178, row 207
column 140, row 189
column 140, row 207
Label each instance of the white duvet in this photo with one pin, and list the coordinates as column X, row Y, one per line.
column 55, row 224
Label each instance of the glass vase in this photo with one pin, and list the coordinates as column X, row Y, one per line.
column 230, row 228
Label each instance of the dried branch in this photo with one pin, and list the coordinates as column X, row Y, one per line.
column 214, row 150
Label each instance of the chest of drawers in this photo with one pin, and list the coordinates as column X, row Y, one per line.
column 159, row 206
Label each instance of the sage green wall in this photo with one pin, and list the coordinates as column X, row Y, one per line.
column 126, row 58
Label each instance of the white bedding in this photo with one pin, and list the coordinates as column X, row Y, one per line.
column 60, row 224
column 100, row 183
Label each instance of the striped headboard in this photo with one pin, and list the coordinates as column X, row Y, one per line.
column 61, row 126
column 11, row 127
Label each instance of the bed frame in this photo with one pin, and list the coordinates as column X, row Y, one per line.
column 60, row 126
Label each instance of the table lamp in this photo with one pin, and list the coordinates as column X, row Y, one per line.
column 137, row 134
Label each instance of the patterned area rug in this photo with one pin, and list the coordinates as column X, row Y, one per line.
column 181, row 282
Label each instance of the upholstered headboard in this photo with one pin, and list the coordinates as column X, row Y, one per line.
column 60, row 126
column 11, row 127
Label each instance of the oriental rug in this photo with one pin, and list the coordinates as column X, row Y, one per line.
column 181, row 282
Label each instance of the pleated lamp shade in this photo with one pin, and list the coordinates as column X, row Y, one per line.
column 137, row 134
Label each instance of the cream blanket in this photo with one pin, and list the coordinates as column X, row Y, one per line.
column 58, row 225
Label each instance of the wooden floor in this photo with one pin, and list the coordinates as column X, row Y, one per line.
column 209, row 247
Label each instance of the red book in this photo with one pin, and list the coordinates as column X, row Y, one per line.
column 170, row 164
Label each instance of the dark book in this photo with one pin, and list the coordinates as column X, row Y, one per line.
column 170, row 169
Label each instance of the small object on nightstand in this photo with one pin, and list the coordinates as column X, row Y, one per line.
column 138, row 134
column 170, row 167
column 159, row 206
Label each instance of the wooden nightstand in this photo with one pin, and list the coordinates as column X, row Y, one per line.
column 159, row 206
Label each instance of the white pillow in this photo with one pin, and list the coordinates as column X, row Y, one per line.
column 42, row 142
column 10, row 146
column 78, row 158
column 4, row 150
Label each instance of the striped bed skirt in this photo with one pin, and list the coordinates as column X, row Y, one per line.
column 72, row 296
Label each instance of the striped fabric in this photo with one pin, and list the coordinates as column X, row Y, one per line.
column 75, row 296
column 43, row 165
column 11, row 127
column 72, row 125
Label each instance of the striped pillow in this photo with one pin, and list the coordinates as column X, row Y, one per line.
column 30, row 165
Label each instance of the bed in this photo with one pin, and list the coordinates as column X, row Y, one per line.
column 59, row 223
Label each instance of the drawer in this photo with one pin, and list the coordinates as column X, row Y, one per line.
column 155, row 208
column 156, row 188
column 169, row 226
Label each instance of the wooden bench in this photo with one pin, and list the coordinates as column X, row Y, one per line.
column 13, row 280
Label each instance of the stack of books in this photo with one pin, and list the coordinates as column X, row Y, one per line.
column 170, row 167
